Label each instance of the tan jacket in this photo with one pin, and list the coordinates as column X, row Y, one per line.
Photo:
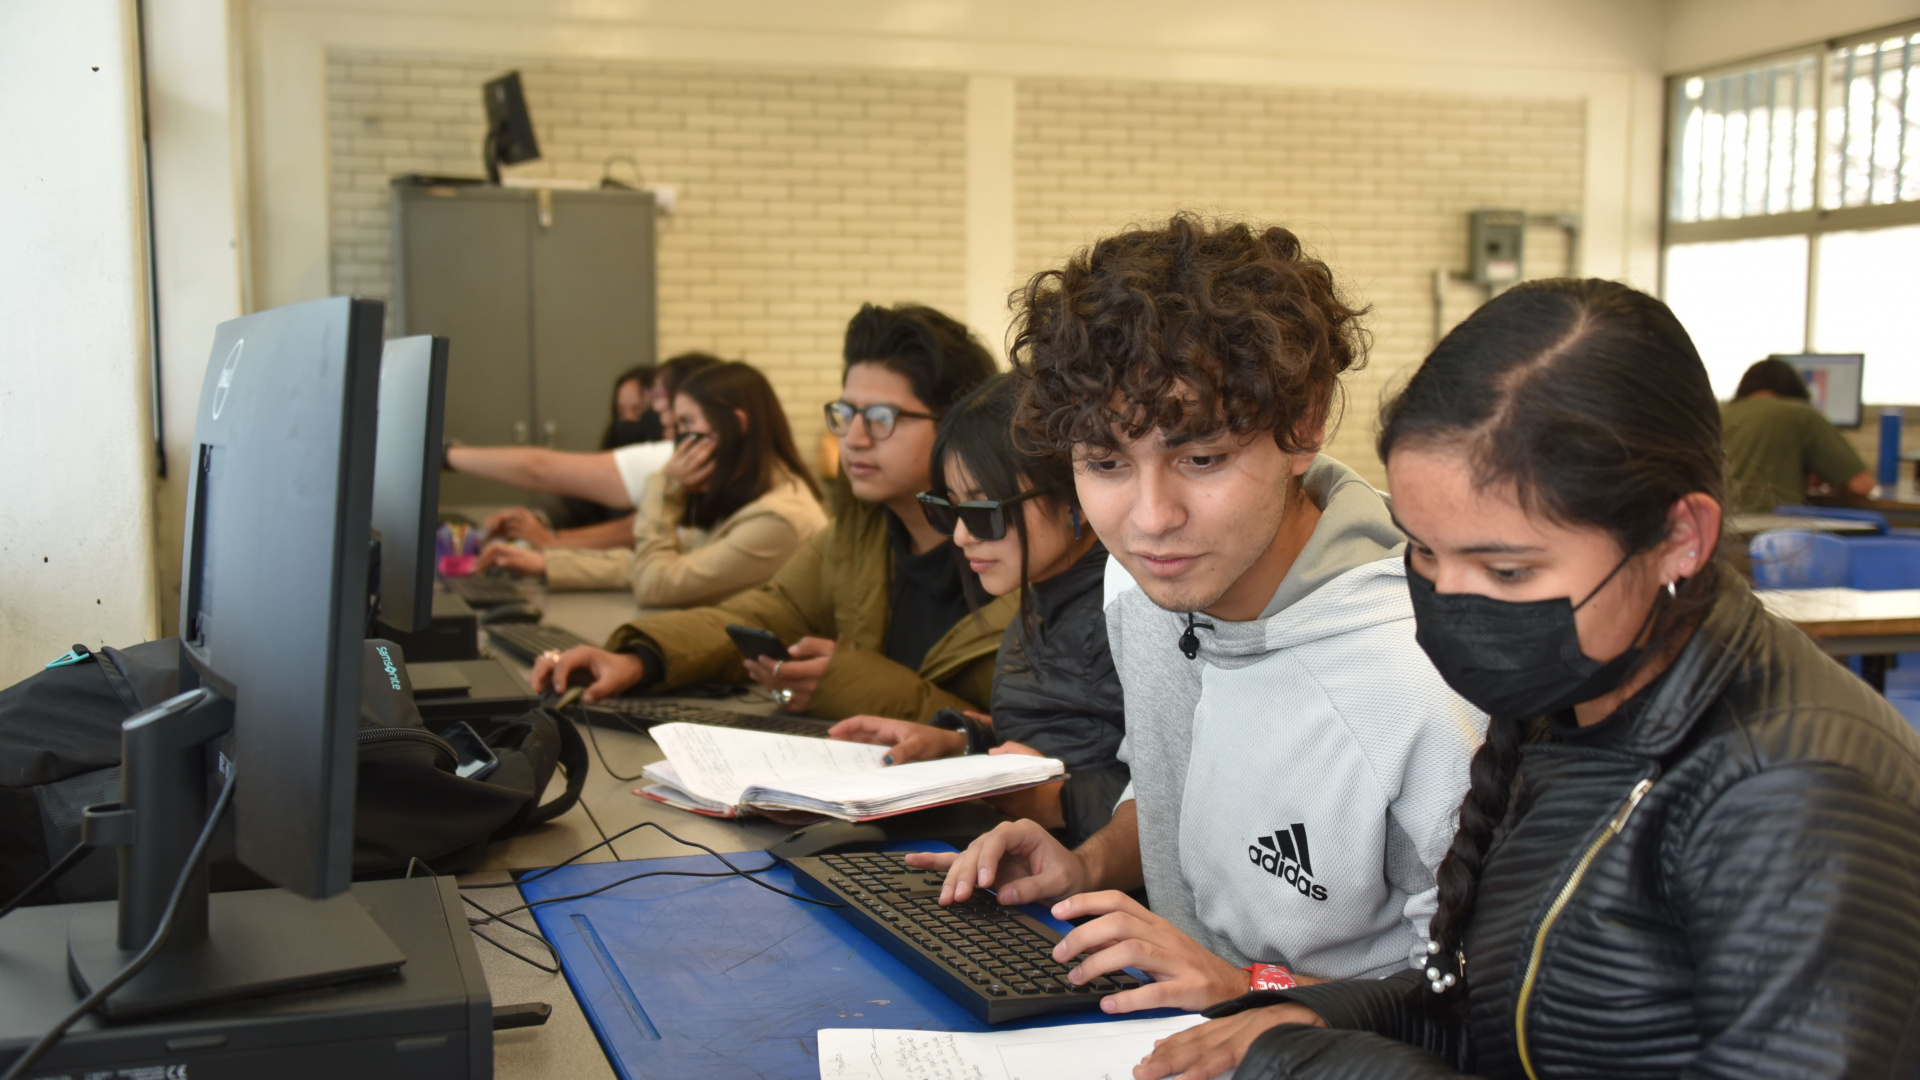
column 671, row 565
column 837, row 586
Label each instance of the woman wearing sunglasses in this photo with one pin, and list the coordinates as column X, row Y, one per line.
column 725, row 513
column 873, row 610
column 1691, row 845
column 1016, row 522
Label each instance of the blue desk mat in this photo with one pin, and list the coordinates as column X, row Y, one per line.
column 712, row 978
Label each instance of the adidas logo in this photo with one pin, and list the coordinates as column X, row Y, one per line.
column 1284, row 855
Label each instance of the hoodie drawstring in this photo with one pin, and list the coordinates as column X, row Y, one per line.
column 1190, row 641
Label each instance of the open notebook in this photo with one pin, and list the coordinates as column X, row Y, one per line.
column 728, row 771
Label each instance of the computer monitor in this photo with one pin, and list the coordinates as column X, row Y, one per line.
column 509, row 129
column 273, row 618
column 406, row 477
column 1833, row 383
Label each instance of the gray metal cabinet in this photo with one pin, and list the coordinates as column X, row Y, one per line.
column 546, row 295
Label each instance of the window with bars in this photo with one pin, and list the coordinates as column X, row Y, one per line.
column 1793, row 209
column 1872, row 148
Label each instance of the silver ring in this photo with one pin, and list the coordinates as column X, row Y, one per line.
column 783, row 698
column 551, row 654
column 776, row 668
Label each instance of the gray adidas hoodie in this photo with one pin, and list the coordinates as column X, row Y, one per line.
column 1297, row 784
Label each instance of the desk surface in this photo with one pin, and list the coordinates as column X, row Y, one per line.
column 565, row 1045
column 1753, row 524
column 1851, row 622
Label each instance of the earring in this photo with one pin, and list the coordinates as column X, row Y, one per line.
column 1073, row 515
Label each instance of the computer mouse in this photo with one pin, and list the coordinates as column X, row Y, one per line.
column 507, row 613
column 826, row 836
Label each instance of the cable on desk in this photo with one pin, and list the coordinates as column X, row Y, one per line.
column 474, row 925
column 66, row 863
column 746, row 873
column 580, row 720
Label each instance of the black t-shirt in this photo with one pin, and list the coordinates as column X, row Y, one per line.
column 927, row 597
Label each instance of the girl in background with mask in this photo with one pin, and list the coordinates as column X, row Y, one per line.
column 1692, row 842
column 727, row 512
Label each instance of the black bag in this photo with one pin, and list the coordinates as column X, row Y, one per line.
column 60, row 753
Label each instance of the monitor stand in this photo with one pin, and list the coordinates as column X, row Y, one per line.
column 229, row 946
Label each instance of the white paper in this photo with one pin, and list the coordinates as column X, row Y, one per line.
column 1105, row 1050
column 718, row 764
column 899, row 787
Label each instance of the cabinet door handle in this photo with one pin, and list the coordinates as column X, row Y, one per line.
column 520, row 432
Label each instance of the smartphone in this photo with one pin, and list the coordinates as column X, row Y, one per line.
column 754, row 642
column 476, row 759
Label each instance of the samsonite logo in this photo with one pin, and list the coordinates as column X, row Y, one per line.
column 1284, row 855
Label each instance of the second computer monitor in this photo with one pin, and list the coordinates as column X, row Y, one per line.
column 1833, row 383
column 406, row 476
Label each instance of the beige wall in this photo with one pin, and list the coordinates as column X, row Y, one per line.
column 1597, row 59
column 1377, row 183
column 76, row 537
column 801, row 194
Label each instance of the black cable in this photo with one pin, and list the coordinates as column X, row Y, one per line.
column 139, row 963
column 516, row 954
column 579, row 713
column 474, row 925
column 65, row 864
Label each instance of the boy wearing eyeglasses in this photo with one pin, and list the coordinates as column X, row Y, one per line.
column 873, row 609
column 1296, row 760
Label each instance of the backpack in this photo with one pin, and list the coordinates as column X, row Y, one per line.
column 60, row 753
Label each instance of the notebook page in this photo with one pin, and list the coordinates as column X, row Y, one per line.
column 718, row 764
column 1095, row 1051
column 944, row 778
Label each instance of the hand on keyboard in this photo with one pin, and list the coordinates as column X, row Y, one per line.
column 1125, row 934
column 1021, row 861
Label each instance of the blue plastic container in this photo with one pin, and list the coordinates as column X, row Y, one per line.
column 1889, row 447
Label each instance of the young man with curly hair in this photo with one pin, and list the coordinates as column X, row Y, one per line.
column 1296, row 759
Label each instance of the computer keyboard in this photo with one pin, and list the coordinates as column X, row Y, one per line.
column 483, row 591
column 528, row 640
column 997, row 962
column 649, row 711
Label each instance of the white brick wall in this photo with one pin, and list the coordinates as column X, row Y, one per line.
column 801, row 195
column 1378, row 184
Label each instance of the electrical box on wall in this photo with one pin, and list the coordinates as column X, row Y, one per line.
column 1496, row 243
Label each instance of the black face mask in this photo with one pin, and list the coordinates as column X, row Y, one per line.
column 625, row 432
column 1514, row 660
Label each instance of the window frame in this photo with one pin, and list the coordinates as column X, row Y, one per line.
column 1811, row 223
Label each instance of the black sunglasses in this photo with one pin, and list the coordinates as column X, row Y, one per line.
column 986, row 518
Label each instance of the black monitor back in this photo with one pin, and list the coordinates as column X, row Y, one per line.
column 406, row 476
column 509, row 127
column 275, row 573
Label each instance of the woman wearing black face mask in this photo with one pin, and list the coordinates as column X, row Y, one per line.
column 1692, row 842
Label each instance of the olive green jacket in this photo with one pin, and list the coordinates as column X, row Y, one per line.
column 837, row 586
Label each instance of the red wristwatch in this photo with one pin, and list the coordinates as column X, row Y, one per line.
column 1270, row 977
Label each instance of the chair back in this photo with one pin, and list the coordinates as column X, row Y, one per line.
column 1879, row 563
column 1799, row 559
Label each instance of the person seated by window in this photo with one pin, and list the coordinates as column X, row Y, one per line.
column 1775, row 439
column 613, row 477
column 726, row 512
column 874, row 608
column 1016, row 522
column 1692, row 842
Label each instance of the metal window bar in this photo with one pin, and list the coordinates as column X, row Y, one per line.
column 1900, row 152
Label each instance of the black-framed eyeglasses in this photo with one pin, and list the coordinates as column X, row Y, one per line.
column 880, row 418
column 986, row 519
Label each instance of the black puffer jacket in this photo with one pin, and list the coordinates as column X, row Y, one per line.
column 1723, row 882
column 1057, row 692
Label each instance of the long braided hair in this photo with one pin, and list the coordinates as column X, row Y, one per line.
column 1587, row 399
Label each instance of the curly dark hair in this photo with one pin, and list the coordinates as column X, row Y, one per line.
column 1190, row 329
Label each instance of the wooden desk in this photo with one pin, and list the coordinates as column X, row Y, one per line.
column 1755, row 524
column 1901, row 504
column 1853, row 622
